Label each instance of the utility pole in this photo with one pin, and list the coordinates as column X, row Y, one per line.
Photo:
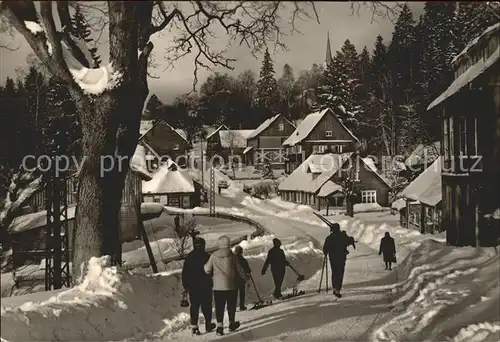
column 212, row 192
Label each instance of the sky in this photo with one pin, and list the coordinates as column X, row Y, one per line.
column 303, row 49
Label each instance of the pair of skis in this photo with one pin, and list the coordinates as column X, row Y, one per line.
column 295, row 292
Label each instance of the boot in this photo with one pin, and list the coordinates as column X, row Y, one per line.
column 219, row 331
column 337, row 294
column 243, row 308
column 195, row 331
column 209, row 327
column 234, row 325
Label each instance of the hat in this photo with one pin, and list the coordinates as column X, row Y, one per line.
column 223, row 242
column 199, row 242
column 238, row 249
column 276, row 242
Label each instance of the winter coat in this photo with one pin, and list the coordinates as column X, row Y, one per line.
column 388, row 249
column 276, row 258
column 225, row 269
column 336, row 246
column 194, row 278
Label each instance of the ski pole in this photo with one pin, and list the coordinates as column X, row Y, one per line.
column 326, row 265
column 322, row 272
column 300, row 276
column 255, row 287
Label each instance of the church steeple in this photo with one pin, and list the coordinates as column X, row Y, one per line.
column 328, row 59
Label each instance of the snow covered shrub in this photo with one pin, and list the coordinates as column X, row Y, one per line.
column 265, row 188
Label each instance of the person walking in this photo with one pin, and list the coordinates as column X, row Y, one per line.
column 336, row 248
column 198, row 285
column 388, row 249
column 226, row 271
column 276, row 258
column 238, row 250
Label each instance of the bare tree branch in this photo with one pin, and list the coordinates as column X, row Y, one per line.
column 379, row 9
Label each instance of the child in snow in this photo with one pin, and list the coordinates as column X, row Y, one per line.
column 242, row 283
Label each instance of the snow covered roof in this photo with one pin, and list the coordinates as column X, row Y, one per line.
column 306, row 177
column 138, row 162
column 308, row 124
column 370, row 164
column 169, row 178
column 329, row 188
column 180, row 132
column 424, row 154
column 236, row 138
column 265, row 125
column 398, row 204
column 217, row 130
column 468, row 76
column 35, row 220
column 247, row 149
column 490, row 30
column 146, row 125
column 426, row 188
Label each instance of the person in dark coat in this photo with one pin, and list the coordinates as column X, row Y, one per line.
column 336, row 248
column 177, row 223
column 388, row 249
column 198, row 285
column 276, row 258
column 242, row 283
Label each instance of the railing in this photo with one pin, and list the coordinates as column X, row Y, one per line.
column 259, row 231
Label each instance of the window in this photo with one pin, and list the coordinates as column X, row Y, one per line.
column 446, row 142
column 299, row 148
column 328, row 134
column 369, row 196
column 336, row 148
column 281, row 127
column 451, row 138
column 299, row 197
column 185, row 201
column 473, row 146
column 462, row 136
column 176, row 147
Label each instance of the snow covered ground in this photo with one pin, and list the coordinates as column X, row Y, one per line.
column 435, row 292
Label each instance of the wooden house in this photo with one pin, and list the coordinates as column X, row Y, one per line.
column 167, row 142
column 319, row 132
column 316, row 182
column 227, row 145
column 264, row 144
column 172, row 186
column 470, row 113
column 420, row 159
column 423, row 197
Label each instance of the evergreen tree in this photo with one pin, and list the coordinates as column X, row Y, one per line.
column 154, row 107
column 267, row 88
column 473, row 17
column 61, row 132
column 81, row 29
column 286, row 87
column 267, row 171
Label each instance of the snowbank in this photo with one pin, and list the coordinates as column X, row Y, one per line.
column 112, row 304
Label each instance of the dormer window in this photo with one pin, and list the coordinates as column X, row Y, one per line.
column 281, row 127
column 328, row 134
column 176, row 147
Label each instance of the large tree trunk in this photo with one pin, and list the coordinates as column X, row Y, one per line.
column 107, row 150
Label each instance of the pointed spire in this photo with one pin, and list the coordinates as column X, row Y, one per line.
column 328, row 59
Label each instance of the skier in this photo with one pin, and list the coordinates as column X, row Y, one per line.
column 198, row 285
column 388, row 248
column 226, row 271
column 336, row 248
column 242, row 284
column 276, row 258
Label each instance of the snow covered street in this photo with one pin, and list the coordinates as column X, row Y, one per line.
column 377, row 305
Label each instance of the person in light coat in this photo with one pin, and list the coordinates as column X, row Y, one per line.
column 226, row 273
